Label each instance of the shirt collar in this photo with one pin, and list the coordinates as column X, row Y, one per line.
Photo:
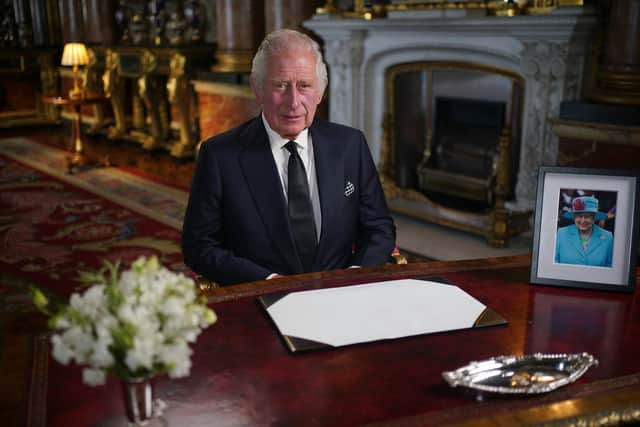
column 278, row 142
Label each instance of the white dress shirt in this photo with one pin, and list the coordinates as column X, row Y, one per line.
column 304, row 145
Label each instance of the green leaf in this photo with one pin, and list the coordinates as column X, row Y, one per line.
column 40, row 300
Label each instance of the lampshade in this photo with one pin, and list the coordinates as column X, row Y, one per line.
column 75, row 54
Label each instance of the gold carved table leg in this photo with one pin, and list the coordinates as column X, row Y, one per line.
column 180, row 95
column 114, row 89
column 76, row 159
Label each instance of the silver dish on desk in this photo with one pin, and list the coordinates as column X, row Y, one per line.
column 527, row 374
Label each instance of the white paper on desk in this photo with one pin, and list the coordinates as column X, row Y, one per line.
column 370, row 312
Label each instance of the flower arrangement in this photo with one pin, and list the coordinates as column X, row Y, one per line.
column 136, row 323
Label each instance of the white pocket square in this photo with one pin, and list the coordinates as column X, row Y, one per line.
column 349, row 188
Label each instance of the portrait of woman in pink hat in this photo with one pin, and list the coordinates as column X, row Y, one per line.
column 584, row 242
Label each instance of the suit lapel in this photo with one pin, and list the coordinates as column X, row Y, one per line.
column 595, row 241
column 330, row 175
column 264, row 184
column 574, row 239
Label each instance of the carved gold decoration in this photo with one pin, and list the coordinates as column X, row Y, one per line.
column 495, row 7
column 114, row 90
column 540, row 7
column 329, row 8
column 617, row 416
column 499, row 214
column 408, row 5
column 49, row 81
column 156, row 84
column 597, row 132
column 92, row 82
column 621, row 87
column 497, row 224
column 180, row 94
column 148, row 90
column 509, row 8
column 205, row 285
column 236, row 62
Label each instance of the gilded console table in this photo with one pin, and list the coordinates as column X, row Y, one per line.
column 150, row 91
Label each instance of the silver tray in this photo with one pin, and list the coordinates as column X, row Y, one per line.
column 527, row 374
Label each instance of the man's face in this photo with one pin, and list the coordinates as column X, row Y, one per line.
column 584, row 221
column 290, row 92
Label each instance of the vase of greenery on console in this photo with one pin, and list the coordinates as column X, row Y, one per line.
column 135, row 324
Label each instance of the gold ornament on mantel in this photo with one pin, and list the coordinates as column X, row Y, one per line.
column 491, row 7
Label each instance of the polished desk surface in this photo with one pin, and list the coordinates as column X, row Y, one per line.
column 243, row 375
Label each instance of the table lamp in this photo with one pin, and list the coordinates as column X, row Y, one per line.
column 75, row 54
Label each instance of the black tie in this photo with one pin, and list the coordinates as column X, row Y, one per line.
column 300, row 209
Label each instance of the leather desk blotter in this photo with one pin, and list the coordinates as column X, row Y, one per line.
column 335, row 317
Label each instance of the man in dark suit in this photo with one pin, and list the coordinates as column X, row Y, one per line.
column 285, row 193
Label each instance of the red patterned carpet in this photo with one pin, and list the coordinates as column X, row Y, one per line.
column 53, row 225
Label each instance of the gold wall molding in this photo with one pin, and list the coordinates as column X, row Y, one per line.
column 233, row 62
column 216, row 88
column 598, row 132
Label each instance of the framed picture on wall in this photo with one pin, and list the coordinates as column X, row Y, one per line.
column 586, row 229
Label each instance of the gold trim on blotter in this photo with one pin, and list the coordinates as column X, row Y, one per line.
column 295, row 344
column 488, row 317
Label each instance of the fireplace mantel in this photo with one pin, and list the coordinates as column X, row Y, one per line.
column 548, row 51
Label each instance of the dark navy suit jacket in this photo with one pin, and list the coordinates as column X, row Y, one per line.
column 236, row 227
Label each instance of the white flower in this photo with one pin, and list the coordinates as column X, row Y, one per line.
column 61, row 352
column 93, row 376
column 80, row 341
column 91, row 303
column 173, row 307
column 142, row 353
column 137, row 323
column 101, row 356
column 178, row 357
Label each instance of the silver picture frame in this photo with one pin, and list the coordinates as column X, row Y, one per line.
column 617, row 203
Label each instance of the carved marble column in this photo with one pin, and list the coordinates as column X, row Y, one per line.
column 99, row 21
column 45, row 22
column 288, row 13
column 344, row 53
column 552, row 72
column 71, row 20
column 240, row 30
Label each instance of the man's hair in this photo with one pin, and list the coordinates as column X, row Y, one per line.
column 281, row 40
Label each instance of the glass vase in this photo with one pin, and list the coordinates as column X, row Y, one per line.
column 138, row 400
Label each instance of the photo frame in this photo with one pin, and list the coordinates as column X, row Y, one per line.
column 586, row 229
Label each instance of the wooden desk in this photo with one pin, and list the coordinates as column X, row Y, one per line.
column 77, row 159
column 243, row 375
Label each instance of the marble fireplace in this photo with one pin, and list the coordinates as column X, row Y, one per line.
column 547, row 54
